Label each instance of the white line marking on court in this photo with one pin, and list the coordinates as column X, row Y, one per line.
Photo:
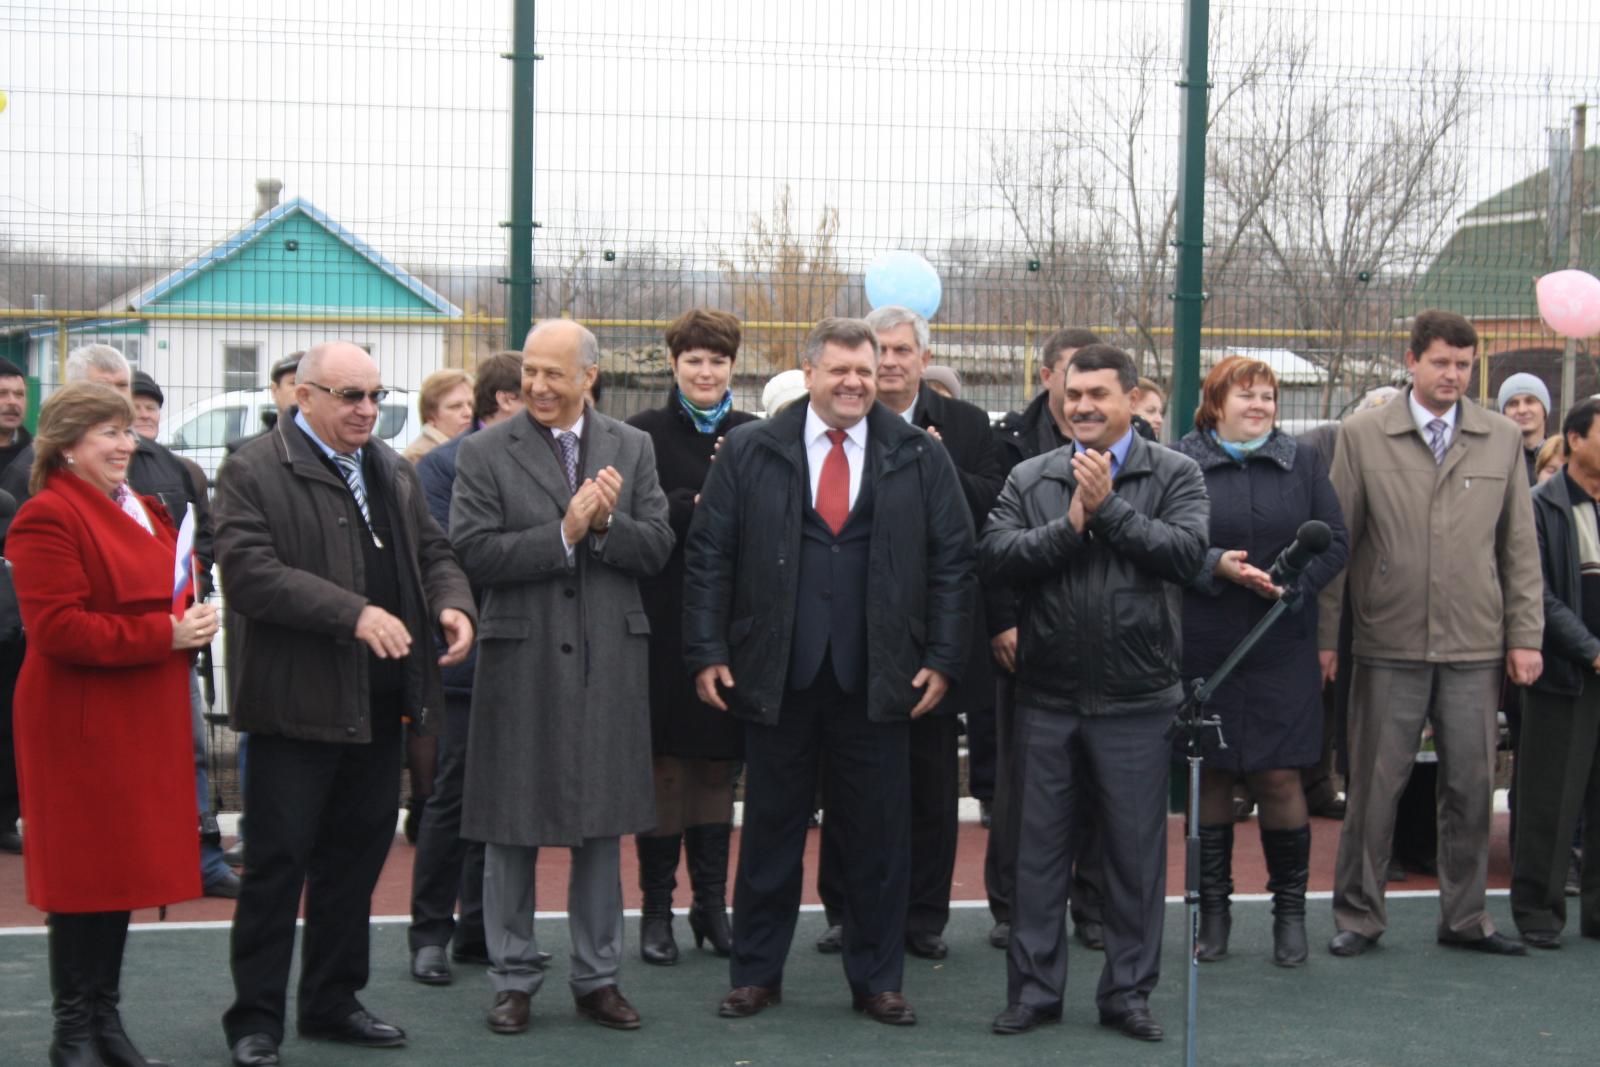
column 633, row 913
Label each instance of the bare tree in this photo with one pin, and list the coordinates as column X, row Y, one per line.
column 1368, row 191
column 1093, row 194
column 784, row 275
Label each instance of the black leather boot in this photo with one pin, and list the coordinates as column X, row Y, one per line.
column 1216, row 886
column 72, row 977
column 110, row 1040
column 658, row 870
column 707, row 847
column 1288, row 855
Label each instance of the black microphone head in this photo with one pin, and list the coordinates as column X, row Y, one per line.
column 1314, row 536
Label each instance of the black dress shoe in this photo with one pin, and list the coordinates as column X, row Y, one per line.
column 926, row 946
column 255, row 1050
column 1542, row 938
column 429, row 966
column 1494, row 945
column 1137, row 1023
column 1350, row 943
column 510, row 1012
column 1091, row 934
column 831, row 941
column 1000, row 935
column 360, row 1027
column 1020, row 1018
column 888, row 1007
column 747, row 1000
column 608, row 1007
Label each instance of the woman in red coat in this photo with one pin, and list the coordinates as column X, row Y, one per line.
column 104, row 753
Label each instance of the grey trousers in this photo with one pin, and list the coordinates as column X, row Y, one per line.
column 1559, row 779
column 1120, row 764
column 1389, row 703
column 594, row 916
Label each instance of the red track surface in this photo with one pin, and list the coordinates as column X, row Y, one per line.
column 394, row 889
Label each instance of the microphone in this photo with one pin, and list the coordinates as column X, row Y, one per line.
column 1310, row 541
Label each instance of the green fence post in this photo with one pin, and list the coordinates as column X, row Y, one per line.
column 1189, row 294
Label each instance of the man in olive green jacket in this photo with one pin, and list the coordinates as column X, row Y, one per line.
column 1445, row 585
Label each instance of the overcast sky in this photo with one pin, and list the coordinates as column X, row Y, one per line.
column 143, row 124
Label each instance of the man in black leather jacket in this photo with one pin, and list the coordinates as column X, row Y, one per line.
column 1099, row 540
column 828, row 597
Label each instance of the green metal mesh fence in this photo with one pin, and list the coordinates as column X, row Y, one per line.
column 212, row 186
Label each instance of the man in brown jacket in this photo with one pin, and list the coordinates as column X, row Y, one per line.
column 339, row 579
column 1444, row 584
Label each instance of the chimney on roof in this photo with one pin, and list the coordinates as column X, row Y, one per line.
column 267, row 190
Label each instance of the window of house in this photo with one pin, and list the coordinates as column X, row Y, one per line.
column 241, row 366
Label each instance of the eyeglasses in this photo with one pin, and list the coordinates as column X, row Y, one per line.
column 351, row 396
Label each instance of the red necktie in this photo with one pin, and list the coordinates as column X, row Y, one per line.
column 833, row 488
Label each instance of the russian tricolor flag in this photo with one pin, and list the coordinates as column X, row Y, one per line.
column 183, row 563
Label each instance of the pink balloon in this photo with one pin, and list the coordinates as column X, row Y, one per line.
column 1569, row 300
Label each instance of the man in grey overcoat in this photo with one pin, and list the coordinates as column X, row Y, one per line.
column 557, row 514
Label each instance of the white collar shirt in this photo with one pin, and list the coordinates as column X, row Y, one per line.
column 1422, row 416
column 818, row 446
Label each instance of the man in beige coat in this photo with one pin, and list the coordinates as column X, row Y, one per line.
column 1445, row 585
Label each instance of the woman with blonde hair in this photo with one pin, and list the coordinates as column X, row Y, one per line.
column 104, row 751
column 445, row 405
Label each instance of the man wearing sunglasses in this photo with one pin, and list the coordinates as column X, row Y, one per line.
column 339, row 579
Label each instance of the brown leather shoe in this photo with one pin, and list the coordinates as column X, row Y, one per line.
column 748, row 1000
column 888, row 1007
column 510, row 1012
column 608, row 1007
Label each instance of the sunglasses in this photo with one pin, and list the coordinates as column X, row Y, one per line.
column 352, row 396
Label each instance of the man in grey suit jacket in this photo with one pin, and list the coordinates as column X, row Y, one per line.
column 556, row 515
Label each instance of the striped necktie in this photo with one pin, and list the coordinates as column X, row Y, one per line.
column 1436, row 440
column 346, row 462
column 569, row 457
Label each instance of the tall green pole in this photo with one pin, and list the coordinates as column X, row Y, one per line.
column 519, row 268
column 1189, row 294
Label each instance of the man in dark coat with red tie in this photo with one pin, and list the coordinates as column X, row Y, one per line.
column 828, row 600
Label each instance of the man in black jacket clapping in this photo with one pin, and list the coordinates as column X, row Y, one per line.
column 1099, row 539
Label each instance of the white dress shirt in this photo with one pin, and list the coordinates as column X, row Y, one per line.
column 818, row 446
column 1422, row 416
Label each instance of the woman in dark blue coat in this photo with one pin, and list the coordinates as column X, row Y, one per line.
column 1262, row 488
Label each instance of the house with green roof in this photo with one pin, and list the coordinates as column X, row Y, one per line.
column 278, row 285
column 1487, row 269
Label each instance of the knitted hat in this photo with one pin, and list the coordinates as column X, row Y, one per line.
column 1524, row 384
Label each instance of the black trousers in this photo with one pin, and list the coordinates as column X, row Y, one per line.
column 11, row 653
column 322, row 818
column 935, row 823
column 1000, row 854
column 1559, row 751
column 1122, row 763
column 866, row 791
column 447, row 867
column 982, row 754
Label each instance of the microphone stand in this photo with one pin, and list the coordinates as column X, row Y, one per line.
column 1192, row 721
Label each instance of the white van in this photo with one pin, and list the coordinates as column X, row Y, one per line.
column 202, row 430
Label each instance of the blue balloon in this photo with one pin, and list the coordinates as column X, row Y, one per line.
column 906, row 279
